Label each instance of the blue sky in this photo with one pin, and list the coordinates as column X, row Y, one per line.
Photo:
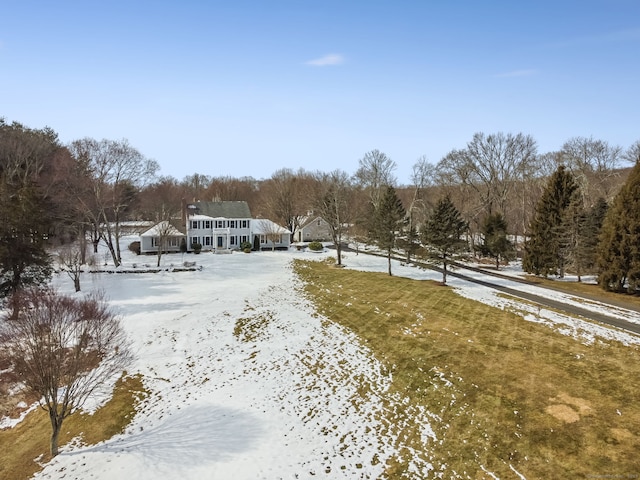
column 247, row 87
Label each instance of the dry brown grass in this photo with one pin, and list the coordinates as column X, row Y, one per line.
column 520, row 395
column 28, row 443
column 590, row 290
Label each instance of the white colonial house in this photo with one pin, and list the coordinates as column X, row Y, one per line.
column 219, row 226
column 226, row 225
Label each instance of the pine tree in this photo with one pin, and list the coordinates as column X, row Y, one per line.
column 593, row 230
column 388, row 222
column 442, row 234
column 410, row 242
column 495, row 243
column 571, row 235
column 619, row 247
column 542, row 254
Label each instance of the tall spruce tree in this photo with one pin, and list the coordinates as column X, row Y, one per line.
column 589, row 223
column 388, row 221
column 595, row 220
column 443, row 233
column 495, row 243
column 619, row 247
column 542, row 253
column 571, row 235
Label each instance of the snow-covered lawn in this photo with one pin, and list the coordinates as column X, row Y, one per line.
column 247, row 381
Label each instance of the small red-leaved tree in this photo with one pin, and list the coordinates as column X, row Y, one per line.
column 63, row 348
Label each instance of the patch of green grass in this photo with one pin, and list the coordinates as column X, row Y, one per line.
column 29, row 440
column 508, row 393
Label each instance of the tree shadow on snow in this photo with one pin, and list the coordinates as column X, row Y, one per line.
column 195, row 435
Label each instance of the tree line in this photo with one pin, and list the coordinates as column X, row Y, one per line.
column 498, row 195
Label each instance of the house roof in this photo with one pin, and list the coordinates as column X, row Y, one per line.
column 308, row 220
column 224, row 209
column 265, row 226
column 163, row 227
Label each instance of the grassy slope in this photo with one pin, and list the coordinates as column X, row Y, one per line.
column 29, row 440
column 518, row 394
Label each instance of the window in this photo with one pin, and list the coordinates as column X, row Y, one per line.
column 154, row 241
column 233, row 240
column 219, row 223
column 244, row 239
column 263, row 239
column 207, row 224
column 319, row 222
column 245, row 223
column 207, row 241
column 174, row 242
column 195, row 240
column 233, row 224
column 195, row 224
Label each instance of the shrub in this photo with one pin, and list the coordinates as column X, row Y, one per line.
column 197, row 247
column 316, row 247
column 135, row 247
column 244, row 246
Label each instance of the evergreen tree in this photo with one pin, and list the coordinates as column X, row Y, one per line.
column 410, row 242
column 542, row 253
column 589, row 225
column 571, row 235
column 442, row 234
column 595, row 220
column 619, row 247
column 495, row 243
column 388, row 221
column 27, row 157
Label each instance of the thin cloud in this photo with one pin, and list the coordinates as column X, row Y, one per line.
column 517, row 73
column 328, row 60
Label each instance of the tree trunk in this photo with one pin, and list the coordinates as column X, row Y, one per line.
column 95, row 245
column 56, row 426
column 389, row 260
column 339, row 253
column 113, row 253
column 76, row 281
column 444, row 272
column 82, row 244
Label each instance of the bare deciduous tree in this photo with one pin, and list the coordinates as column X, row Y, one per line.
column 71, row 259
column 594, row 164
column 375, row 174
column 285, row 198
column 333, row 204
column 64, row 349
column 195, row 185
column 490, row 165
column 117, row 170
column 632, row 154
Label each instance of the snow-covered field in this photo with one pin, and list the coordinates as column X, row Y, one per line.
column 247, row 381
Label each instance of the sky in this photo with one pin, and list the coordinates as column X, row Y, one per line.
column 245, row 88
